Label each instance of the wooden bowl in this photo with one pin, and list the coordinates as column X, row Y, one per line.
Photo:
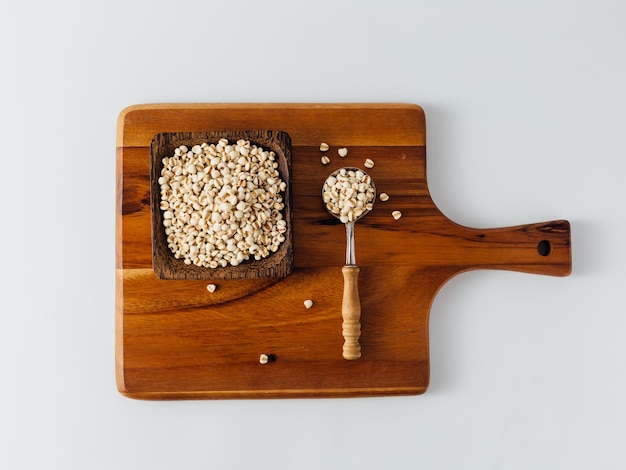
column 165, row 265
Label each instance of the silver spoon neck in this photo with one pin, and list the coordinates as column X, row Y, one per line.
column 350, row 255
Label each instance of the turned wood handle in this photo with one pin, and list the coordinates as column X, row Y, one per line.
column 351, row 313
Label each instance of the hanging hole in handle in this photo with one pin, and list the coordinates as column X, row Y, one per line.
column 544, row 247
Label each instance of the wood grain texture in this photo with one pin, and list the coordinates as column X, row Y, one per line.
column 307, row 124
column 176, row 340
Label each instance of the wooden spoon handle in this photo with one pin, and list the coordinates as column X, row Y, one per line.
column 351, row 313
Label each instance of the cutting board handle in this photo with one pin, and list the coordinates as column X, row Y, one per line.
column 351, row 313
column 540, row 248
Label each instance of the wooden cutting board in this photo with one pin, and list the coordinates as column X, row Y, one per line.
column 176, row 340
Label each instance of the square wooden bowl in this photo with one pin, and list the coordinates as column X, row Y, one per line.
column 165, row 265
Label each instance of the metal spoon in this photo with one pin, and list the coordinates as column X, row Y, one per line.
column 351, row 305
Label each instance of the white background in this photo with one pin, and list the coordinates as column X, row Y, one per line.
column 525, row 104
